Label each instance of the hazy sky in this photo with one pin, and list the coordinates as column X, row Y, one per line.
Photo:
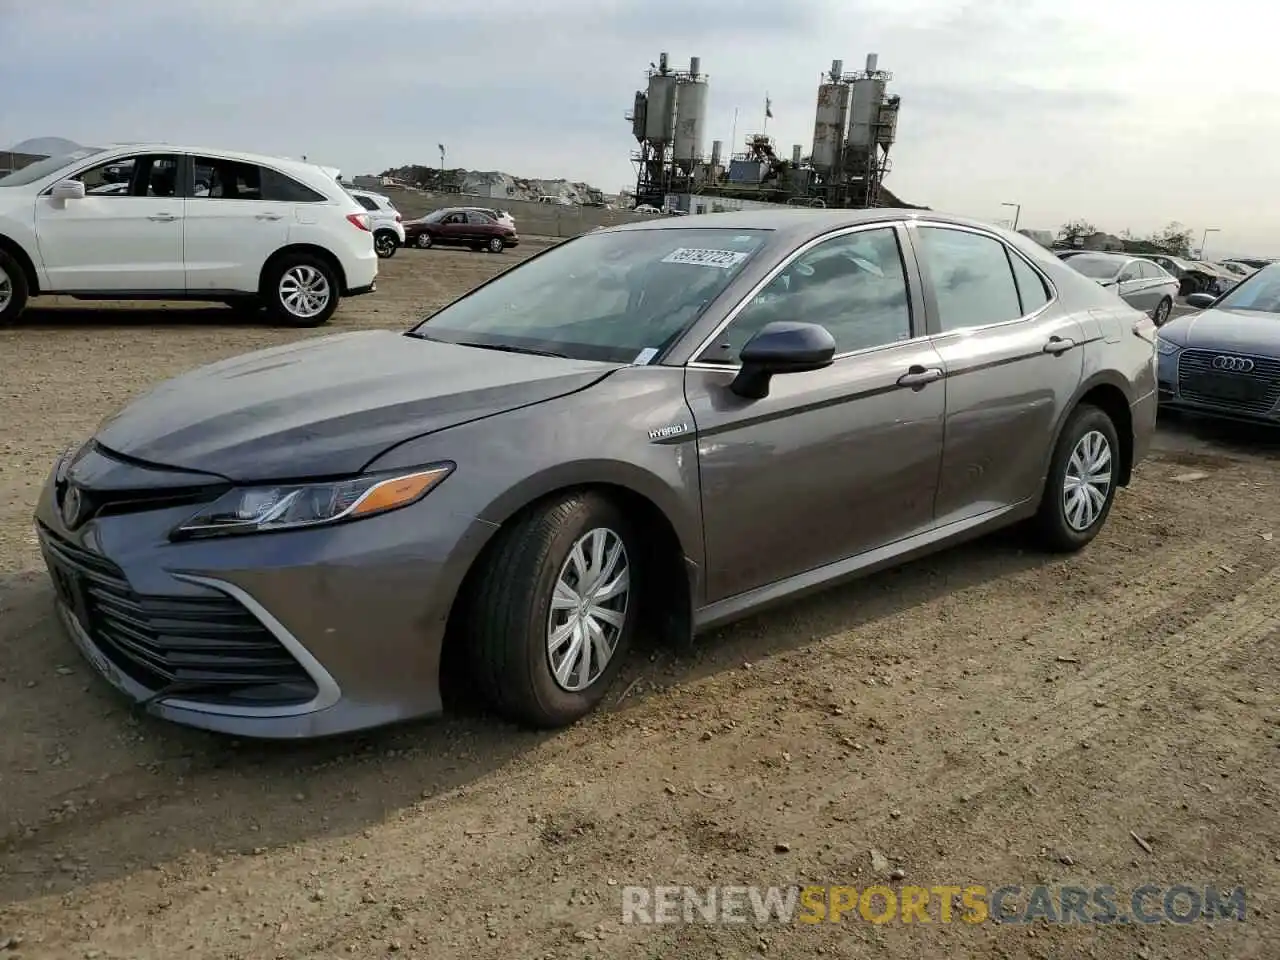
column 1128, row 113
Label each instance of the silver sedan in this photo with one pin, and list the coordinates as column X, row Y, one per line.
column 1141, row 283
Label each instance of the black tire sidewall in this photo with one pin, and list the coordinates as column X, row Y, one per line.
column 18, row 283
column 1161, row 321
column 557, row 705
column 272, row 292
column 1058, row 532
column 388, row 240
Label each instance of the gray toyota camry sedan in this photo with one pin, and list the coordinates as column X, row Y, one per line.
column 658, row 427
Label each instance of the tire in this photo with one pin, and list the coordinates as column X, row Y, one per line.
column 423, row 241
column 495, row 245
column 309, row 272
column 1161, row 314
column 384, row 244
column 13, row 289
column 1062, row 530
column 512, row 621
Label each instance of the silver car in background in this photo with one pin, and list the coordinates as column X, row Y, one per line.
column 1141, row 283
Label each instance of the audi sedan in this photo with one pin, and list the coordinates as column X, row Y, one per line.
column 1139, row 282
column 657, row 427
column 1225, row 360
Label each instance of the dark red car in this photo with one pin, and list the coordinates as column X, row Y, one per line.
column 454, row 226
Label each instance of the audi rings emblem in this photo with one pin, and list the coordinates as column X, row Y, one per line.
column 1233, row 364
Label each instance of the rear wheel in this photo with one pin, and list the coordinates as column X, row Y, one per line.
column 1162, row 311
column 423, row 242
column 13, row 289
column 554, row 609
column 385, row 243
column 302, row 290
column 1081, row 485
column 495, row 245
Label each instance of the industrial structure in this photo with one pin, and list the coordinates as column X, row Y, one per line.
column 855, row 125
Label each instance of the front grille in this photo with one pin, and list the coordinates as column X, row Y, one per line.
column 208, row 648
column 1256, row 392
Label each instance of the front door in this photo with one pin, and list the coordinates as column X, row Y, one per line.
column 1013, row 359
column 125, row 235
column 830, row 463
column 233, row 226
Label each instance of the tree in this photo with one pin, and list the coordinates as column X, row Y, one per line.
column 1074, row 232
column 1174, row 240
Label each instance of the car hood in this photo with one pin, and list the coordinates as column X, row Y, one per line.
column 1245, row 331
column 328, row 406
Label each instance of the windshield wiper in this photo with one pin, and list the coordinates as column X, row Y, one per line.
column 509, row 348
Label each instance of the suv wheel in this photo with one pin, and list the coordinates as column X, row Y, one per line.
column 424, row 241
column 385, row 243
column 13, row 289
column 554, row 609
column 1082, row 481
column 302, row 290
column 495, row 245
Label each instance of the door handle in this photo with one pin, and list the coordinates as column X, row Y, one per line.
column 162, row 217
column 918, row 376
column 1056, row 345
column 269, row 216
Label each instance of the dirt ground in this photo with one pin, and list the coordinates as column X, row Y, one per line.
column 987, row 716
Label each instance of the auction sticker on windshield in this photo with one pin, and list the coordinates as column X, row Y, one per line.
column 705, row 258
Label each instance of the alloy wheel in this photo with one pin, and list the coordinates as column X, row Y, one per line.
column 423, row 241
column 588, row 609
column 1162, row 313
column 384, row 246
column 304, row 291
column 1087, row 482
column 6, row 289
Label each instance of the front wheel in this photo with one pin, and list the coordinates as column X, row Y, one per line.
column 13, row 289
column 1081, row 485
column 302, row 290
column 423, row 242
column 384, row 244
column 554, row 608
column 1162, row 311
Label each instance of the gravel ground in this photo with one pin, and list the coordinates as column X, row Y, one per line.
column 987, row 716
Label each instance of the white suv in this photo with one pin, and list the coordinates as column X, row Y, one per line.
column 384, row 219
column 159, row 222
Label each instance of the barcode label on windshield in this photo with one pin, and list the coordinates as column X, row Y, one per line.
column 705, row 258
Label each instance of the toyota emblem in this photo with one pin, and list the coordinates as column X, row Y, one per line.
column 1233, row 364
column 71, row 505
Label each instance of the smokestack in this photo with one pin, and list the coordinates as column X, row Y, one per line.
column 695, row 65
column 717, row 146
column 872, row 60
column 837, row 69
column 662, row 63
column 796, row 151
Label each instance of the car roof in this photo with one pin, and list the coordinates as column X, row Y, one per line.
column 797, row 223
column 221, row 153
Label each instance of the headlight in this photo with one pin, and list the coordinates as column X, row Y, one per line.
column 295, row 505
column 1167, row 348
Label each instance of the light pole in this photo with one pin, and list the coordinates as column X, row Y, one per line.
column 1017, row 212
column 1205, row 237
column 441, row 146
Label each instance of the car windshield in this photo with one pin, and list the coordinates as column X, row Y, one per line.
column 1259, row 293
column 619, row 297
column 42, row 168
column 1096, row 268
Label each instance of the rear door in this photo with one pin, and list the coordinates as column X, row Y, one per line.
column 1013, row 359
column 236, row 218
column 834, row 462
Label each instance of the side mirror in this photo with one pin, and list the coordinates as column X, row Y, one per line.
column 67, row 190
column 1201, row 301
column 781, row 347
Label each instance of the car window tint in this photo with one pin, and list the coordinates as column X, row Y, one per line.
column 971, row 276
column 366, row 203
column 218, row 179
column 1031, row 287
column 284, row 189
column 854, row 285
column 148, row 175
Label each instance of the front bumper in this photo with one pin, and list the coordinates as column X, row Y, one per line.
column 293, row 634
